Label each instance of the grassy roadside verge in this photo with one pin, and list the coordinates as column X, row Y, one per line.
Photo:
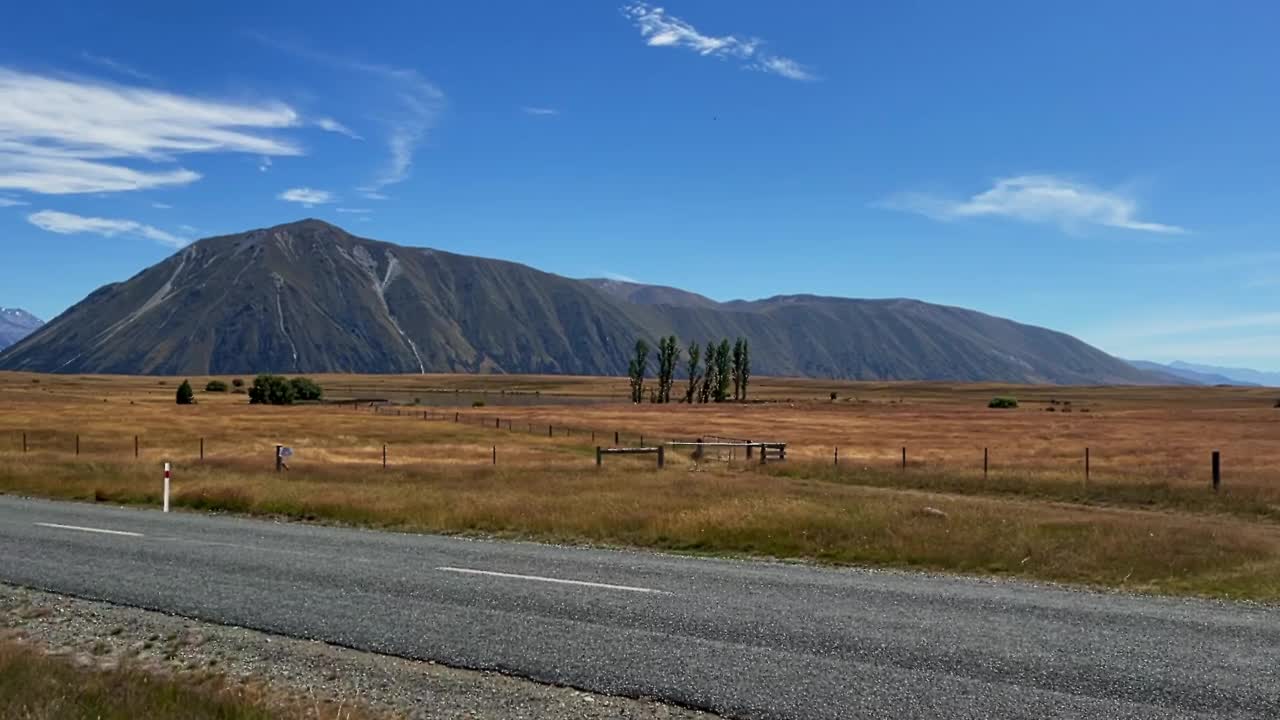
column 747, row 514
column 35, row 686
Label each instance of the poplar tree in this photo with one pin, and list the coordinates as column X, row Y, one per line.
column 637, row 368
column 723, row 354
column 695, row 352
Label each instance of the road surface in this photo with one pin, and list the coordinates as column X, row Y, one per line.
column 745, row 639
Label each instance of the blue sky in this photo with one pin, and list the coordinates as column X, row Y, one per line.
column 1106, row 169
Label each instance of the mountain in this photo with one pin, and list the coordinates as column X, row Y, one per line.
column 1183, row 376
column 633, row 292
column 310, row 297
column 16, row 324
column 1237, row 376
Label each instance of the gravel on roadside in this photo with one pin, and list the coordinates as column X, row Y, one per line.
column 103, row 634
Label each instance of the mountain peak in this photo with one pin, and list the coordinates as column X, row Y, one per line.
column 16, row 324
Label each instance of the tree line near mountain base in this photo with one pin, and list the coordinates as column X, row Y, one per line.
column 266, row 390
column 710, row 372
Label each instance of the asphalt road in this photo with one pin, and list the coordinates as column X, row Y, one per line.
column 745, row 639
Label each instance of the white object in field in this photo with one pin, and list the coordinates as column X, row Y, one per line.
column 166, row 487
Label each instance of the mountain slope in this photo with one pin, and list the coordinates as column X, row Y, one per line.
column 1183, row 375
column 16, row 324
column 309, row 297
column 1238, row 376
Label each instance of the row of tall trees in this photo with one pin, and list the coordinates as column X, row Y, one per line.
column 711, row 371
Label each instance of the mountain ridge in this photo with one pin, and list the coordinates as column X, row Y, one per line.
column 15, row 324
column 309, row 297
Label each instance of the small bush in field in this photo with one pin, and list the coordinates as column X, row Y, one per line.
column 1003, row 403
column 477, row 404
column 1278, row 403
column 238, row 382
column 215, row 386
column 185, row 395
column 834, row 396
column 306, row 389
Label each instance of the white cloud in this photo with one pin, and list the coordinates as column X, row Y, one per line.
column 413, row 105
column 621, row 278
column 307, row 196
column 539, row 111
column 264, row 164
column 333, row 126
column 69, row 224
column 786, row 67
column 355, row 211
column 11, row 202
column 1036, row 198
column 373, row 195
column 65, row 135
column 662, row 30
column 116, row 66
column 161, row 206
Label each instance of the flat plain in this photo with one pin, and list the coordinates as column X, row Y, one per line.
column 522, row 464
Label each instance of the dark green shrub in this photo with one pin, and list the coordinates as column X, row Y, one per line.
column 185, row 395
column 271, row 390
column 238, row 382
column 1278, row 403
column 834, row 396
column 215, row 386
column 1003, row 403
column 477, row 403
column 306, row 389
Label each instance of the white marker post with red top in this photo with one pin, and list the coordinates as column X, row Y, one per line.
column 166, row 487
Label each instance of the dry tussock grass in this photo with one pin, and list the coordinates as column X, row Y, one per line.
column 1033, row 516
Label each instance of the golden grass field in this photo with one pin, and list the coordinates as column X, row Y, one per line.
column 1146, row 519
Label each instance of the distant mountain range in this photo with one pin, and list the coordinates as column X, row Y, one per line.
column 310, row 297
column 16, row 324
column 1211, row 374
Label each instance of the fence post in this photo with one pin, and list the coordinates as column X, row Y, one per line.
column 166, row 487
column 455, row 417
column 77, row 444
column 904, row 458
column 837, row 455
column 201, row 449
column 548, row 431
column 24, row 442
column 1086, row 465
column 1217, row 470
column 593, row 436
column 135, row 447
column 279, row 457
column 599, row 456
column 984, row 463
column 615, row 438
column 641, row 441
column 495, row 454
column 384, row 456
column 661, row 457
column 497, row 423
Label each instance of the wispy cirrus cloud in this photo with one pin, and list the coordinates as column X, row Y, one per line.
column 330, row 125
column 116, row 66
column 11, row 202
column 63, row 135
column 308, row 197
column 1036, row 198
column 539, row 111
column 660, row 29
column 70, row 224
column 354, row 211
column 411, row 105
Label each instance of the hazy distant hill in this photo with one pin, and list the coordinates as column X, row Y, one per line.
column 309, row 297
column 16, row 324
column 1240, row 376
